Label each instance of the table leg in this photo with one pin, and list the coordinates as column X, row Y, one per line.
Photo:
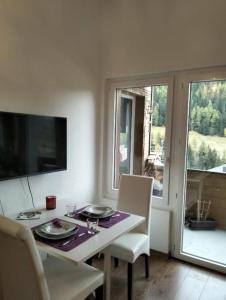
column 107, row 273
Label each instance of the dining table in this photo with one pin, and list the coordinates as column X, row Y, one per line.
column 97, row 243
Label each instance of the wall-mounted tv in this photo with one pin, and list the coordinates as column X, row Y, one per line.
column 31, row 144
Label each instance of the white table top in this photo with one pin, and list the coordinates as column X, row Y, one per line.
column 90, row 247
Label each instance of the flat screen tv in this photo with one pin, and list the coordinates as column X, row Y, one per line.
column 31, row 144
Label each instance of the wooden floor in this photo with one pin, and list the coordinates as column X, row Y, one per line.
column 170, row 279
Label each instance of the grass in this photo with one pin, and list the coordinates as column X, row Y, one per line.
column 214, row 142
column 158, row 130
column 196, row 139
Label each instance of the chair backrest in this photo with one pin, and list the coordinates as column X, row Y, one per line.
column 135, row 196
column 21, row 271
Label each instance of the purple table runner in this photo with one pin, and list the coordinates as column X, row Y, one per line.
column 108, row 222
column 58, row 244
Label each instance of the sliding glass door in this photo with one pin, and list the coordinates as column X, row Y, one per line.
column 183, row 146
column 203, row 213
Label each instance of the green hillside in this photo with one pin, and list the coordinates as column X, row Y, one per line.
column 196, row 139
column 214, row 142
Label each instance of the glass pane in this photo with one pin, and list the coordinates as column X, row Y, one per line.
column 140, row 133
column 155, row 161
column 207, row 127
column 125, row 135
column 205, row 207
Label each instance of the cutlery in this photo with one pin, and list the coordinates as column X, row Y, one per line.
column 72, row 239
column 114, row 216
column 109, row 218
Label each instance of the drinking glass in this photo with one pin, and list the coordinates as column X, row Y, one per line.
column 92, row 225
column 71, row 208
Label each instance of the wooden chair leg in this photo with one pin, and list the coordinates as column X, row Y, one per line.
column 100, row 293
column 115, row 262
column 130, row 281
column 146, row 257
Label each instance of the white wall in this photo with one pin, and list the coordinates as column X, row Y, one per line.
column 49, row 65
column 148, row 36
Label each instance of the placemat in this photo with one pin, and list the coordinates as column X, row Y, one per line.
column 75, row 240
column 108, row 222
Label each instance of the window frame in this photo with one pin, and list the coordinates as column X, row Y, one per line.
column 117, row 134
column 179, row 180
column 108, row 192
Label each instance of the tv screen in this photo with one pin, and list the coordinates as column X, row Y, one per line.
column 31, row 144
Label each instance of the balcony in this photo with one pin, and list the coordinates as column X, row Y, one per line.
column 209, row 187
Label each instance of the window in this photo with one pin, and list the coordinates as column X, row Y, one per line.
column 141, row 146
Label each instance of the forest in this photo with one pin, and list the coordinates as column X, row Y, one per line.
column 208, row 108
column 207, row 116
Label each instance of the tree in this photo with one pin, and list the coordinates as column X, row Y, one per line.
column 202, row 155
column 160, row 105
column 208, row 107
column 155, row 115
column 211, row 158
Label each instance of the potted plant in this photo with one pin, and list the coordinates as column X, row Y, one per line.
column 202, row 221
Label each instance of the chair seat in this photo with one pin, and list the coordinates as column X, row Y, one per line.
column 129, row 246
column 67, row 280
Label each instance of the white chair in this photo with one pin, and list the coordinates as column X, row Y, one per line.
column 23, row 277
column 135, row 194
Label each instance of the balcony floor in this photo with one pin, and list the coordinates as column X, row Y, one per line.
column 208, row 244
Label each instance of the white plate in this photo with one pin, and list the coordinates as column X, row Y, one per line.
column 55, row 237
column 97, row 211
column 57, row 228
